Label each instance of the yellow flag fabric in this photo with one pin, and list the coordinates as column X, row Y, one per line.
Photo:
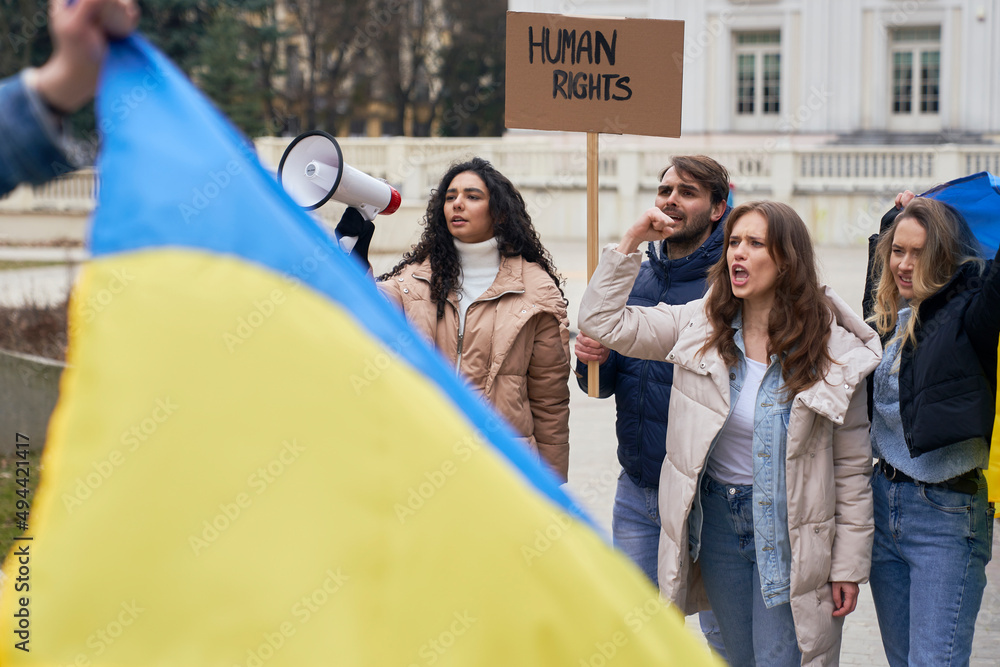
column 254, row 461
column 993, row 472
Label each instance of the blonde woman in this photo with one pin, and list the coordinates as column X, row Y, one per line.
column 936, row 305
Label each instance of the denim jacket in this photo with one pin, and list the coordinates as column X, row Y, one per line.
column 30, row 147
column 770, row 511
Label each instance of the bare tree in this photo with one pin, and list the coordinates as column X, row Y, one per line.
column 473, row 69
column 325, row 31
column 405, row 50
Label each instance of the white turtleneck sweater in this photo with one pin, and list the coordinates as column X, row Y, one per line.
column 480, row 264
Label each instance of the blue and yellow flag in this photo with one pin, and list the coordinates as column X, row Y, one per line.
column 255, row 461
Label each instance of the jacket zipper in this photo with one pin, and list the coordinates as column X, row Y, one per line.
column 641, row 424
column 461, row 331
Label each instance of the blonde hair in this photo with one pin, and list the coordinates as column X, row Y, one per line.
column 950, row 243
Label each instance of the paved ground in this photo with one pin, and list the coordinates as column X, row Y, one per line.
column 593, row 465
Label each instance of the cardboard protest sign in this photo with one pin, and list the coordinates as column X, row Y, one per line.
column 611, row 75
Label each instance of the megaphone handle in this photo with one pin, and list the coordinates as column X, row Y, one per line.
column 353, row 223
column 368, row 211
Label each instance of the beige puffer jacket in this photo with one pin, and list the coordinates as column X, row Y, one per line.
column 828, row 454
column 515, row 348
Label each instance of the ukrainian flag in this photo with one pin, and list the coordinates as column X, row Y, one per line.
column 255, row 461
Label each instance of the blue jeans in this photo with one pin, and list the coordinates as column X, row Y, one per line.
column 929, row 569
column 752, row 633
column 635, row 531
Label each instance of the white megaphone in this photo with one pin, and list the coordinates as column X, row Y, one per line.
column 312, row 171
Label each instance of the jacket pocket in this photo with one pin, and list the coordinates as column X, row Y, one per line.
column 946, row 500
column 813, row 556
column 947, row 512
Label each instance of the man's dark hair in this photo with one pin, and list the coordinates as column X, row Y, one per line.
column 705, row 171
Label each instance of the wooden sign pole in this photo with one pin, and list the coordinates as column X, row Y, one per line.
column 586, row 74
column 593, row 368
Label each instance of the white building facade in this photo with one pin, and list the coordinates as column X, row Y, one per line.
column 855, row 71
column 831, row 106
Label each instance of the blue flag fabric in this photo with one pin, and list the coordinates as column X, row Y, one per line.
column 977, row 198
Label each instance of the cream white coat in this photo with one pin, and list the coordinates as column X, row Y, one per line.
column 828, row 452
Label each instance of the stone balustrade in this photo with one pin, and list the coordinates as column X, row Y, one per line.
column 840, row 191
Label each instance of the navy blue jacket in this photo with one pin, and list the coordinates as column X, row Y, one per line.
column 947, row 382
column 641, row 387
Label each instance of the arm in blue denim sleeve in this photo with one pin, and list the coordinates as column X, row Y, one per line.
column 30, row 147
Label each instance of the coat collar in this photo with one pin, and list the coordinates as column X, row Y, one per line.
column 958, row 284
column 855, row 349
column 515, row 276
column 853, row 345
column 510, row 276
column 694, row 265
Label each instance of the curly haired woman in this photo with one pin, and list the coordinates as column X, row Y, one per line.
column 483, row 289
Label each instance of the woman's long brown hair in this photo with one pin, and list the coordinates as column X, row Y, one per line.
column 798, row 327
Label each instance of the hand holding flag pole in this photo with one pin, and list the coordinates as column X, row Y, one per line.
column 81, row 31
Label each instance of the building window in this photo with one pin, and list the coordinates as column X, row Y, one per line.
column 745, row 78
column 772, row 82
column 758, row 76
column 916, row 70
